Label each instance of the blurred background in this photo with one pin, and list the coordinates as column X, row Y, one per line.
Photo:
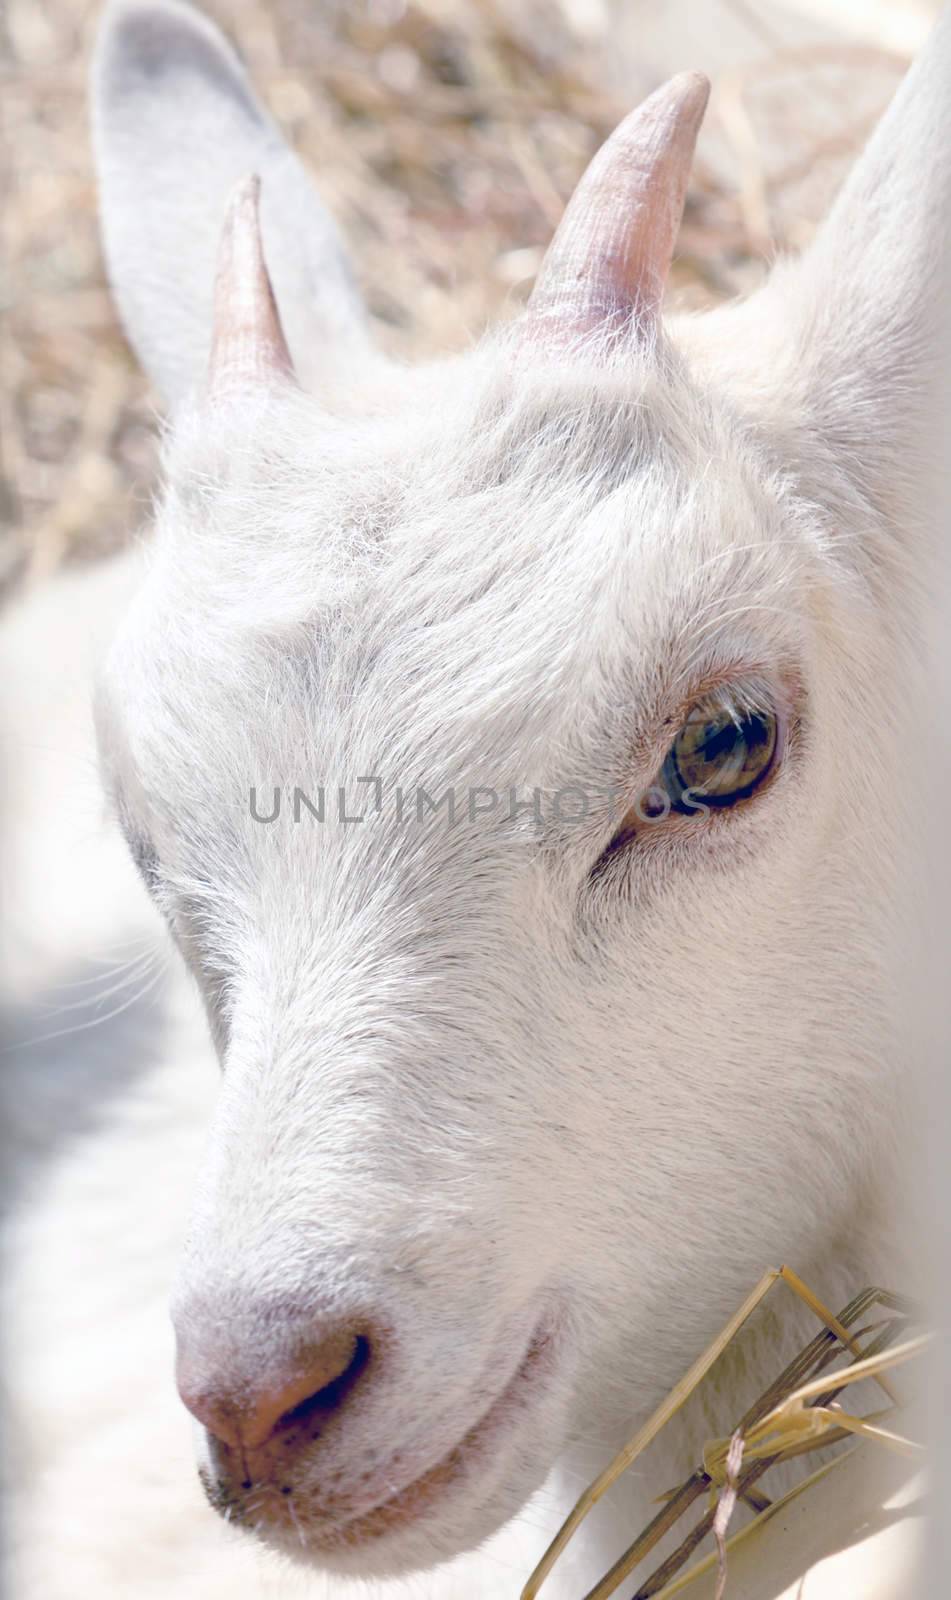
column 446, row 136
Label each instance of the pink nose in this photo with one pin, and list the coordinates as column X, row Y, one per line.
column 247, row 1414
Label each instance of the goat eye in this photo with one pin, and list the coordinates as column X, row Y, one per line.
column 719, row 756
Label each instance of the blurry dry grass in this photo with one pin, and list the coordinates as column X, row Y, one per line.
column 445, row 135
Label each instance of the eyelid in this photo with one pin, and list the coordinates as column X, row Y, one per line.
column 746, row 686
column 776, row 692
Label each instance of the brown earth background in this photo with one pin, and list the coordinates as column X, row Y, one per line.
column 445, row 136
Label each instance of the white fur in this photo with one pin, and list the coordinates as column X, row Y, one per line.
column 464, row 1088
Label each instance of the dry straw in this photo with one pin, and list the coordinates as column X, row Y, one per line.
column 797, row 1414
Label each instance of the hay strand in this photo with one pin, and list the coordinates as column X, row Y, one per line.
column 796, row 1414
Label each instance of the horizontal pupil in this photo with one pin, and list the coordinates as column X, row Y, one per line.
column 719, row 742
column 740, row 750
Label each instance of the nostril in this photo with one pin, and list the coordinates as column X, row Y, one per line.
column 328, row 1399
column 312, row 1384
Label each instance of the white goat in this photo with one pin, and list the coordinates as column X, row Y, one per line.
column 516, row 1107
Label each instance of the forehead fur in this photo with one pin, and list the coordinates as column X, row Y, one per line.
column 477, row 566
column 278, row 508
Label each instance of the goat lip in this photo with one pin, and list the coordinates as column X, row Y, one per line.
column 416, row 1498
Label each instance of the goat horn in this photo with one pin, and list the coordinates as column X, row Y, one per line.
column 248, row 344
column 611, row 254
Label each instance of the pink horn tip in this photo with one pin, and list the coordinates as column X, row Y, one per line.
column 248, row 346
column 609, row 260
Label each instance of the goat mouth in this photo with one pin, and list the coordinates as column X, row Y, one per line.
column 283, row 1520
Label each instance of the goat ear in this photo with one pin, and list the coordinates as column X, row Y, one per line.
column 866, row 305
column 176, row 126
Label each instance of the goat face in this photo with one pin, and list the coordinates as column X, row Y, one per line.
column 502, row 1080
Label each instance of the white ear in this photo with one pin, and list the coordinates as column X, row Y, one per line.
column 176, row 126
column 867, row 303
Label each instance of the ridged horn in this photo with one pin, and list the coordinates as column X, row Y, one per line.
column 611, row 254
column 248, row 347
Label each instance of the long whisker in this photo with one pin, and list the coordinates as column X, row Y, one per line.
column 94, row 1022
column 132, row 971
column 137, row 948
